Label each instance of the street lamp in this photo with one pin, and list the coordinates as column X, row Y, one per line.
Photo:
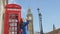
column 40, row 21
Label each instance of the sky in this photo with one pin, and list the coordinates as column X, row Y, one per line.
column 50, row 10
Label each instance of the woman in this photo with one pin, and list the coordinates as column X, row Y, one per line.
column 23, row 26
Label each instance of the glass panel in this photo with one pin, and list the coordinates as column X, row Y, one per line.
column 9, row 28
column 15, row 24
column 16, row 20
column 15, row 32
column 9, row 20
column 12, row 32
column 12, row 28
column 11, row 15
column 13, row 20
column 15, row 28
column 9, row 32
column 11, row 24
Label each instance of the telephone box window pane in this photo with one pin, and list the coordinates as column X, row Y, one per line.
column 12, row 16
column 15, row 28
column 16, row 20
column 15, row 32
column 13, row 20
column 15, row 24
column 11, row 24
column 9, row 32
column 9, row 20
column 9, row 28
column 12, row 32
column 12, row 28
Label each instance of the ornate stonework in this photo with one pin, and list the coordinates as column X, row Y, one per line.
column 30, row 25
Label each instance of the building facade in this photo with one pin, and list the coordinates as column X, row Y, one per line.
column 1, row 15
column 57, row 31
column 30, row 25
column 2, row 10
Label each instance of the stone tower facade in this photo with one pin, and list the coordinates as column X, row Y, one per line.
column 30, row 25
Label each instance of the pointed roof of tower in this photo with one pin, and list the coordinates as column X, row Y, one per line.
column 53, row 27
column 29, row 11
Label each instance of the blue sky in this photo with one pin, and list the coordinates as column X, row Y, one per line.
column 50, row 10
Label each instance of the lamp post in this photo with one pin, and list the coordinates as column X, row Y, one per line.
column 40, row 21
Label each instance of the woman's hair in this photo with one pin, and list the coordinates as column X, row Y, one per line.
column 21, row 22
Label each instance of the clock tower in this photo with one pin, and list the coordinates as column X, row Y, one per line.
column 30, row 25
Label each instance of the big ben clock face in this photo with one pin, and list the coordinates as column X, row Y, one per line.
column 30, row 18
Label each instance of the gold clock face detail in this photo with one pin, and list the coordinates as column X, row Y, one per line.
column 30, row 18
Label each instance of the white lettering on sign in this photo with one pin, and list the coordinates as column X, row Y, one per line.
column 14, row 9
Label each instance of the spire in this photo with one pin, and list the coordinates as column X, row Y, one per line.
column 40, row 22
column 53, row 27
column 29, row 11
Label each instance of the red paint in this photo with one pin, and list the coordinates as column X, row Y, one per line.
column 10, row 11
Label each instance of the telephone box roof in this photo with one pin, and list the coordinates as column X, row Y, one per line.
column 13, row 6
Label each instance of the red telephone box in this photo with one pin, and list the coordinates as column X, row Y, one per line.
column 12, row 19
